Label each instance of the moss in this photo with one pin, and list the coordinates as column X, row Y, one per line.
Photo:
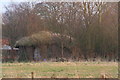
column 43, row 37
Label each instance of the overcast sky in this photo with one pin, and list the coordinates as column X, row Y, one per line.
column 7, row 2
column 2, row 5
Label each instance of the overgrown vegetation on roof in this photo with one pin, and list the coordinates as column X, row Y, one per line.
column 43, row 37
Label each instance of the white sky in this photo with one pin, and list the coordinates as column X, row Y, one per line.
column 7, row 2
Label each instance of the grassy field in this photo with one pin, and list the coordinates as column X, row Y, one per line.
column 60, row 69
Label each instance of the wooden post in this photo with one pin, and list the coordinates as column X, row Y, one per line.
column 32, row 75
column 103, row 76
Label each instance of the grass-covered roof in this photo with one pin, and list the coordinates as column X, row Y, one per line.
column 43, row 37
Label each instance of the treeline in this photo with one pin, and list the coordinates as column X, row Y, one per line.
column 93, row 25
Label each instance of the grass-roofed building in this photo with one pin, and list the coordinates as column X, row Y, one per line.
column 45, row 45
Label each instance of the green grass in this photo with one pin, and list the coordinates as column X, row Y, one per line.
column 60, row 69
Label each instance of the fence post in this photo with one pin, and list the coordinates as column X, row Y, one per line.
column 32, row 75
column 103, row 76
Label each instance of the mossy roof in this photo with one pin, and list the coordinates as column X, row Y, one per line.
column 43, row 37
